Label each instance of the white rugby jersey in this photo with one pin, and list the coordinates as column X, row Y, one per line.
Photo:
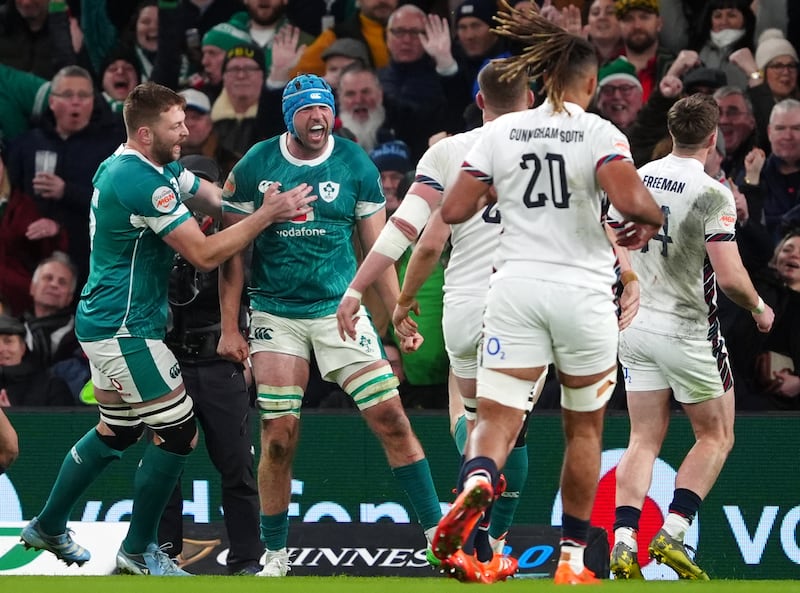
column 677, row 283
column 543, row 166
column 473, row 241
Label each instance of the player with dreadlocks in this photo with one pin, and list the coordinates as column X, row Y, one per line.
column 550, row 299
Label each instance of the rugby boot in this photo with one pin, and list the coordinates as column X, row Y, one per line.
column 464, row 567
column 61, row 545
column 276, row 563
column 566, row 576
column 624, row 564
column 667, row 550
column 154, row 561
column 457, row 525
column 499, row 568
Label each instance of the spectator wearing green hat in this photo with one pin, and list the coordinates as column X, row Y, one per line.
column 619, row 93
column 215, row 44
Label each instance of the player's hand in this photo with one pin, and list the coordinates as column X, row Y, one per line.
column 282, row 206
column 670, row 86
column 764, row 320
column 404, row 326
column 232, row 346
column 411, row 343
column 635, row 235
column 628, row 304
column 744, row 59
column 347, row 317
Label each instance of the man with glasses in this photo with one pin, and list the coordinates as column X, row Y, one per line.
column 77, row 132
column 234, row 111
column 738, row 127
column 619, row 93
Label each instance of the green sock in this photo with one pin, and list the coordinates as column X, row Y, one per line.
column 152, row 486
column 460, row 434
column 83, row 463
column 275, row 530
column 416, row 480
column 516, row 472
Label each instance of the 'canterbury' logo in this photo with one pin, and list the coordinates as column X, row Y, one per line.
column 263, row 333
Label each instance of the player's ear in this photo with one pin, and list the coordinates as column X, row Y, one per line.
column 480, row 101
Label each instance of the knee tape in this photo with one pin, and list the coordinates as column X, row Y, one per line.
column 470, row 408
column 373, row 387
column 274, row 401
column 505, row 389
column 178, row 438
column 589, row 398
column 167, row 413
column 125, row 423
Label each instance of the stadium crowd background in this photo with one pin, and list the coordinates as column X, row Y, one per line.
column 404, row 74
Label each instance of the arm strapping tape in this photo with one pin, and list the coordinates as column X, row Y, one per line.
column 392, row 242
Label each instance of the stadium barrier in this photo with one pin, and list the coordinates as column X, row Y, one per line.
column 348, row 515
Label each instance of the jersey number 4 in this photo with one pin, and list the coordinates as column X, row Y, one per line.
column 558, row 195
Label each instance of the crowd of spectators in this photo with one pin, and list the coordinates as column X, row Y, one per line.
column 404, row 74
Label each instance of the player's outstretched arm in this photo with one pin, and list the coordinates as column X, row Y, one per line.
column 463, row 198
column 207, row 200
column 629, row 299
column 232, row 344
column 633, row 200
column 734, row 281
column 207, row 252
column 423, row 261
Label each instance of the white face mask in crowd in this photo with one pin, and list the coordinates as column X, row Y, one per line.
column 726, row 37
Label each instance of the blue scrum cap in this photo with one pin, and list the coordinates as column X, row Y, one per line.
column 302, row 91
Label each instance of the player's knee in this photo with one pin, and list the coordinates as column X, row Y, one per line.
column 180, row 438
column 591, row 397
column 389, row 421
column 123, row 436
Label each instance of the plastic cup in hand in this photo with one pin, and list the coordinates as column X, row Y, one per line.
column 46, row 161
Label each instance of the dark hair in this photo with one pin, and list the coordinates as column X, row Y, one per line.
column 561, row 57
column 145, row 104
column 692, row 120
column 702, row 31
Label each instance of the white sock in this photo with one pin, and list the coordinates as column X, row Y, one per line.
column 429, row 534
column 498, row 545
column 676, row 526
column 626, row 535
column 475, row 478
column 572, row 555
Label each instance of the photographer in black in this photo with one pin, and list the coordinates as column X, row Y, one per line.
column 222, row 403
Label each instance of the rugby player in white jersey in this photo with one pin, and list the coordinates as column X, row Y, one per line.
column 674, row 348
column 550, row 299
column 466, row 282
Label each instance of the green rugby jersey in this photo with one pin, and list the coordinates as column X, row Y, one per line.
column 134, row 205
column 301, row 268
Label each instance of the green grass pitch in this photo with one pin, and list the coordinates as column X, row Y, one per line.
column 218, row 584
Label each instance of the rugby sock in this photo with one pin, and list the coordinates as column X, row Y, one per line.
column 153, row 484
column 516, row 472
column 417, row 482
column 682, row 509
column 84, row 462
column 275, row 530
column 460, row 434
column 574, row 534
column 626, row 524
column 477, row 468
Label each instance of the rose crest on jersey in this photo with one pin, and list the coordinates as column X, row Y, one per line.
column 328, row 190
